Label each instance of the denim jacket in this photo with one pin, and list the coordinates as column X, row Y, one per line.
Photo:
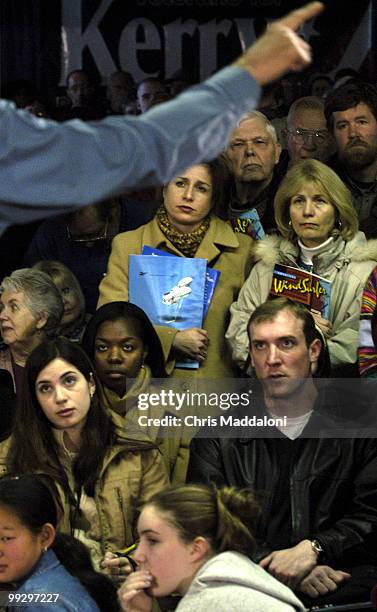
column 50, row 577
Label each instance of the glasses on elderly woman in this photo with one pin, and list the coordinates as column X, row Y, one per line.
column 302, row 136
column 88, row 237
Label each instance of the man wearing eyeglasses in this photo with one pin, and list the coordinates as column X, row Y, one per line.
column 82, row 240
column 306, row 134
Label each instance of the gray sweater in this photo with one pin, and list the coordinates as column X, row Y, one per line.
column 230, row 582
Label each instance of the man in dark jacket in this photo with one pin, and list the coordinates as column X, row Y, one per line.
column 351, row 115
column 319, row 494
column 252, row 157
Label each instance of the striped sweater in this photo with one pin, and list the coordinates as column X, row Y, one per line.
column 367, row 351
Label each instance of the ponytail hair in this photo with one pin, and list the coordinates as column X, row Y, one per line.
column 75, row 557
column 225, row 517
column 34, row 501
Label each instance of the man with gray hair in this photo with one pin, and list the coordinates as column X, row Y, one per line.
column 252, row 155
column 307, row 135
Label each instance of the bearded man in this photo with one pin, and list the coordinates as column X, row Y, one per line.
column 351, row 114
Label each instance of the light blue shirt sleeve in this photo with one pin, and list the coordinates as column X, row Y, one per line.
column 48, row 168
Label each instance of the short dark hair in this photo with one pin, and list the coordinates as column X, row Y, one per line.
column 320, row 77
column 79, row 71
column 269, row 310
column 350, row 95
column 102, row 210
column 153, row 80
column 125, row 310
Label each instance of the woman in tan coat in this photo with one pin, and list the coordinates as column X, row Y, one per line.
column 61, row 432
column 185, row 226
column 126, row 352
column 319, row 234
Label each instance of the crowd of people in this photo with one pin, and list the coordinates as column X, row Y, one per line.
column 91, row 501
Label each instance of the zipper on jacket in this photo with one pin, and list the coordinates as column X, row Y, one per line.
column 123, row 513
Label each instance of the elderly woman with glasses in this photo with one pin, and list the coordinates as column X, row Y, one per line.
column 30, row 311
column 319, row 234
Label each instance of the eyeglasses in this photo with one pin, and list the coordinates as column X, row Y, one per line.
column 302, row 136
column 88, row 238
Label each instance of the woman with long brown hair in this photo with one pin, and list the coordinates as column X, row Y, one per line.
column 61, row 431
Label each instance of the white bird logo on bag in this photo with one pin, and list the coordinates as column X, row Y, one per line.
column 178, row 292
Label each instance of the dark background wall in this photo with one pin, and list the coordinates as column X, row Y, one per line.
column 41, row 40
column 35, row 34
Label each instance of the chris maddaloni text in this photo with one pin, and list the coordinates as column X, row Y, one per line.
column 228, row 420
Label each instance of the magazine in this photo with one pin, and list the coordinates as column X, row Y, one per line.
column 247, row 222
column 309, row 289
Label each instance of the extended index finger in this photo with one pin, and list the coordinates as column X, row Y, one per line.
column 296, row 18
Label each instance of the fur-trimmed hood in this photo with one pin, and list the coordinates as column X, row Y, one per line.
column 275, row 249
column 347, row 265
